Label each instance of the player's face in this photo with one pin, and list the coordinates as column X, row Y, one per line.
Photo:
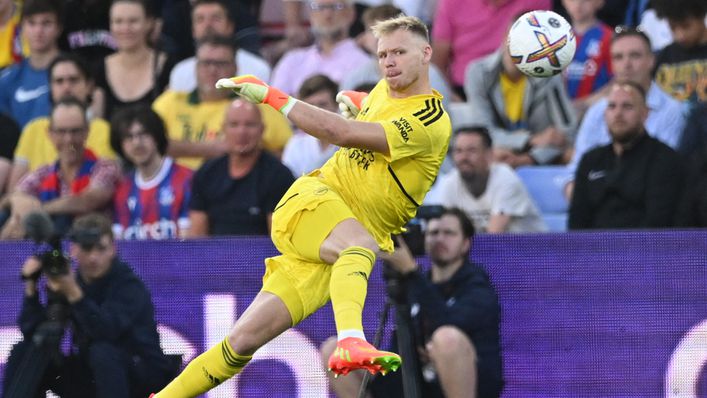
column 688, row 32
column 213, row 63
column 471, row 156
column 210, row 19
column 330, row 19
column 95, row 262
column 444, row 241
column 243, row 129
column 139, row 146
column 68, row 132
column 129, row 25
column 66, row 80
column 322, row 99
column 403, row 58
column 631, row 60
column 41, row 31
column 625, row 113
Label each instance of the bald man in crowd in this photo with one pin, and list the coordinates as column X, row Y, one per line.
column 636, row 180
column 235, row 194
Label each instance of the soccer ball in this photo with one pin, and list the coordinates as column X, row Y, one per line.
column 541, row 43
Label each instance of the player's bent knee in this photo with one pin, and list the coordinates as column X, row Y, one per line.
column 368, row 242
column 449, row 341
column 348, row 233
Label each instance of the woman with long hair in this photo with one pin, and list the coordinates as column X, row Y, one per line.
column 138, row 71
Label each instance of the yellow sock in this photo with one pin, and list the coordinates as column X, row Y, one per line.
column 206, row 371
column 348, row 286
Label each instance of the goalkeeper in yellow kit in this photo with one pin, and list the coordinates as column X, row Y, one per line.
column 331, row 223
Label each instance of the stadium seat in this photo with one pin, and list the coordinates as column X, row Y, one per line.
column 555, row 222
column 461, row 114
column 546, row 185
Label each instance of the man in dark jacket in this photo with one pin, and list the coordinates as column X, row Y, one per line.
column 115, row 349
column 455, row 319
column 635, row 181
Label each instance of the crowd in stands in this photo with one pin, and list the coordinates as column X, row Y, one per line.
column 111, row 105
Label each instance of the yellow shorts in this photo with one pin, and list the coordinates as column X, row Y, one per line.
column 303, row 219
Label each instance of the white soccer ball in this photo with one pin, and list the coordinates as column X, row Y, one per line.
column 541, row 43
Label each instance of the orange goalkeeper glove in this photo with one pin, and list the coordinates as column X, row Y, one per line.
column 257, row 91
column 350, row 103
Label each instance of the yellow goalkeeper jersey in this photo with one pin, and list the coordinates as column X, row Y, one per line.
column 384, row 192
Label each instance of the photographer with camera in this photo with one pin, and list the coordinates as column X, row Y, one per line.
column 115, row 350
column 454, row 318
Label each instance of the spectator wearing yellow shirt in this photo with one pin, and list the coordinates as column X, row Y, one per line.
column 12, row 47
column 194, row 119
column 69, row 76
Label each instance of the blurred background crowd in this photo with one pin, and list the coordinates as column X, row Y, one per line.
column 111, row 106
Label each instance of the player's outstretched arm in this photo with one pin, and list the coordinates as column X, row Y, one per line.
column 322, row 124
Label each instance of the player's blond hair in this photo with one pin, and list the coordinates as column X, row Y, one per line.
column 413, row 25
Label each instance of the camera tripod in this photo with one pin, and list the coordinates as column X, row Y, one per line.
column 42, row 351
column 396, row 297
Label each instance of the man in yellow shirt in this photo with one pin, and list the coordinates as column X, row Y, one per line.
column 330, row 224
column 531, row 119
column 194, row 119
column 69, row 76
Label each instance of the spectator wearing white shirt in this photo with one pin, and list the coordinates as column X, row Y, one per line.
column 490, row 193
column 212, row 17
column 303, row 152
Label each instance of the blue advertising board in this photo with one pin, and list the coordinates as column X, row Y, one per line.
column 620, row 314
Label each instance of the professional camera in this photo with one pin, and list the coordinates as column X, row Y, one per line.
column 54, row 262
column 40, row 228
column 414, row 236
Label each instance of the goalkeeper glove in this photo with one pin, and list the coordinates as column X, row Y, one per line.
column 257, row 91
column 350, row 103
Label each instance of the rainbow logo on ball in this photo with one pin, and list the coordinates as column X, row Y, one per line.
column 541, row 43
column 549, row 50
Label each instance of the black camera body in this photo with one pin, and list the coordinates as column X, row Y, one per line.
column 40, row 228
column 414, row 236
column 53, row 260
